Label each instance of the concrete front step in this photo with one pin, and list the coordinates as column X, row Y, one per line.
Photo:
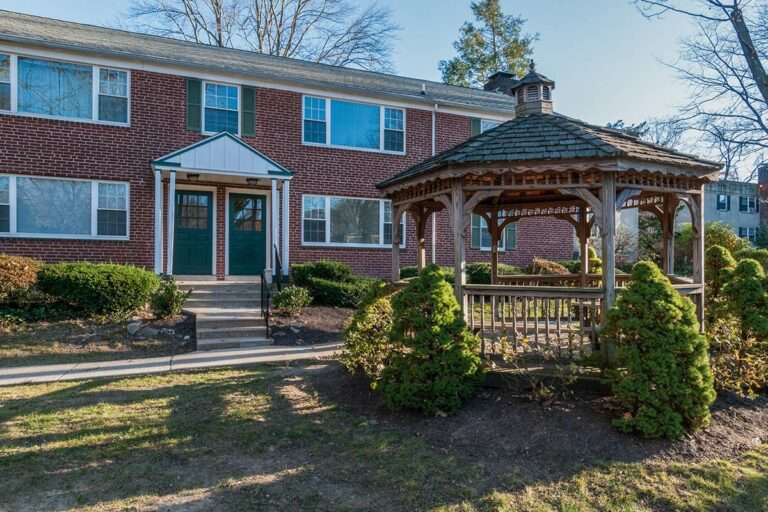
column 230, row 331
column 227, row 305
column 244, row 342
column 223, row 322
column 221, row 288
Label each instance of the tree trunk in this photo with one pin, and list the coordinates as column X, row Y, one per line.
column 750, row 54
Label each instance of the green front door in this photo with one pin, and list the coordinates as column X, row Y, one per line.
column 247, row 234
column 193, row 239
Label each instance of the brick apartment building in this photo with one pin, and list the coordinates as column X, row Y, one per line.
column 195, row 160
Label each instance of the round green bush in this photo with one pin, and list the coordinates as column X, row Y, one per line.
column 168, row 300
column 331, row 270
column 748, row 299
column 718, row 269
column 666, row 383
column 292, row 299
column 438, row 367
column 340, row 294
column 99, row 288
column 367, row 338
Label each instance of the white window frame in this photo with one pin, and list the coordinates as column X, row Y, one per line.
column 239, row 105
column 717, row 202
column 95, row 79
column 327, row 208
column 484, row 124
column 751, row 203
column 14, row 233
column 750, row 233
column 502, row 240
column 97, row 92
column 329, row 120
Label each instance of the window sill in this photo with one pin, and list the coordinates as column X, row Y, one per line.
column 66, row 237
column 352, row 148
column 324, row 245
column 66, row 119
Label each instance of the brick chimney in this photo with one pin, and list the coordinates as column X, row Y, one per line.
column 533, row 93
column 762, row 192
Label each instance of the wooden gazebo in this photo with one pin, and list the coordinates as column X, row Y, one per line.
column 545, row 164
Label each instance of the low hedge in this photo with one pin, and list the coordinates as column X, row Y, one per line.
column 99, row 288
column 330, row 270
column 342, row 294
column 480, row 273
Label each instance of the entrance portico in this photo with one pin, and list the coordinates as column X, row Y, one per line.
column 221, row 210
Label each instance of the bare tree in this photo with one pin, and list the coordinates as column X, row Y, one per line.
column 666, row 132
column 334, row 32
column 724, row 65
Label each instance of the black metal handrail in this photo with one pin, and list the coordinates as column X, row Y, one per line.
column 278, row 268
column 266, row 300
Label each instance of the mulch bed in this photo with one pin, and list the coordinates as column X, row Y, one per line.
column 554, row 438
column 315, row 324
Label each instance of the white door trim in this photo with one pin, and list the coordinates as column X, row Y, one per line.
column 204, row 188
column 255, row 191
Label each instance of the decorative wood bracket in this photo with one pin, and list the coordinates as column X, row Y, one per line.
column 591, row 199
column 473, row 201
column 694, row 208
column 625, row 195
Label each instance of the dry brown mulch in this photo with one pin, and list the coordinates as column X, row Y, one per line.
column 551, row 439
column 315, row 324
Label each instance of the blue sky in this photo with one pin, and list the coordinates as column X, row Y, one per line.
column 605, row 57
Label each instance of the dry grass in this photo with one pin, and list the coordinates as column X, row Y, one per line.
column 263, row 438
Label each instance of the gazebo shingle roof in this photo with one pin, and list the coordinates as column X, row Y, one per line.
column 551, row 137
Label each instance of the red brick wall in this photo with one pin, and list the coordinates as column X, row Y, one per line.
column 70, row 149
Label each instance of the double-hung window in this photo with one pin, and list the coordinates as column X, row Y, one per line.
column 748, row 204
column 488, row 124
column 63, row 208
column 347, row 221
column 723, row 202
column 221, row 112
column 349, row 124
column 748, row 234
column 5, row 82
column 64, row 90
column 113, row 95
column 481, row 236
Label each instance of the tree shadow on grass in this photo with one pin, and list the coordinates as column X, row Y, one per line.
column 303, row 438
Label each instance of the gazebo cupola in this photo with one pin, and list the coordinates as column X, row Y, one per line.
column 533, row 93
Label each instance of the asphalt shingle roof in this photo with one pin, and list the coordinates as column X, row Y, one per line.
column 27, row 29
column 550, row 137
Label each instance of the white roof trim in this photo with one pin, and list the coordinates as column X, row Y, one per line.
column 225, row 154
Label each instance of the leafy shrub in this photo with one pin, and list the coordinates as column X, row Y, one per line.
column 368, row 346
column 541, row 266
column 408, row 272
column 748, row 300
column 739, row 364
column 168, row 300
column 480, row 273
column 720, row 233
column 17, row 274
column 760, row 255
column 292, row 299
column 341, row 294
column 573, row 266
column 99, row 288
column 718, row 269
column 438, row 367
column 666, row 384
column 595, row 263
column 330, row 270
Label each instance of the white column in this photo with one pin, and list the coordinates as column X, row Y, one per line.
column 397, row 214
column 275, row 224
column 286, row 225
column 158, row 222
column 171, row 221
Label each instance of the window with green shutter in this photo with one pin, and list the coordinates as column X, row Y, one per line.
column 194, row 104
column 248, row 122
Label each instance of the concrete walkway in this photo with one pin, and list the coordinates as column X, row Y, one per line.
column 188, row 361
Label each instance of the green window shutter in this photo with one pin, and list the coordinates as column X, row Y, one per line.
column 476, row 228
column 248, row 119
column 194, row 104
column 475, row 126
column 510, row 237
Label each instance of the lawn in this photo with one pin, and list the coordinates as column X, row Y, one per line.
column 309, row 437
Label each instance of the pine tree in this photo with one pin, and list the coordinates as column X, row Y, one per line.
column 666, row 382
column 495, row 43
column 439, row 367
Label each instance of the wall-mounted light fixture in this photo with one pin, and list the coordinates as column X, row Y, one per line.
column 252, row 181
column 193, row 177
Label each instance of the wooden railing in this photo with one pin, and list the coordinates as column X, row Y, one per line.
column 587, row 280
column 561, row 321
column 546, row 315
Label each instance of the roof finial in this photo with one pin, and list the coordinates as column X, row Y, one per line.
column 532, row 66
